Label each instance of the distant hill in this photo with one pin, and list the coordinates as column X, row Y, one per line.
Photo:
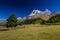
column 54, row 14
column 2, row 22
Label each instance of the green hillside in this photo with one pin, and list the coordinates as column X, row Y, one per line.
column 54, row 19
column 34, row 21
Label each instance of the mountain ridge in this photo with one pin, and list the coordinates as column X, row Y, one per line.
column 45, row 15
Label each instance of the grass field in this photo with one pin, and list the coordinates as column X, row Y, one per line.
column 32, row 32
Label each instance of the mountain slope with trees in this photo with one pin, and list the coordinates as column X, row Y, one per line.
column 54, row 19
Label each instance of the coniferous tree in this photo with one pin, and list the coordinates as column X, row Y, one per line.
column 12, row 21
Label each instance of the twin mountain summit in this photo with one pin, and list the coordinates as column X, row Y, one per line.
column 45, row 15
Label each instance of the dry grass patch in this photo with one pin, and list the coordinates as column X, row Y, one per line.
column 32, row 32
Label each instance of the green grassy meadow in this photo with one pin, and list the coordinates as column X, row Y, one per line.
column 32, row 32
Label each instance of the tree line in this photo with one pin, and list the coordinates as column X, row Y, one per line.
column 13, row 22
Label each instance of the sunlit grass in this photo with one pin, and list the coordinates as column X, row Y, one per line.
column 32, row 32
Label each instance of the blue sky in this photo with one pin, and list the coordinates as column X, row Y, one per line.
column 24, row 7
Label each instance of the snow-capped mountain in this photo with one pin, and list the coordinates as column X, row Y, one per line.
column 39, row 14
column 45, row 15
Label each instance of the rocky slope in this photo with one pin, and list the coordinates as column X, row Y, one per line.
column 39, row 14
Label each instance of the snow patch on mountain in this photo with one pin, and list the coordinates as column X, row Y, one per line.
column 34, row 12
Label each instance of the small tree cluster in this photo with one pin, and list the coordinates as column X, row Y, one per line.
column 12, row 21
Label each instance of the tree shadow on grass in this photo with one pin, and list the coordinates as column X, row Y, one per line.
column 4, row 29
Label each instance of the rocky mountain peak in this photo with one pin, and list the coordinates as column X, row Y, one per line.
column 39, row 14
